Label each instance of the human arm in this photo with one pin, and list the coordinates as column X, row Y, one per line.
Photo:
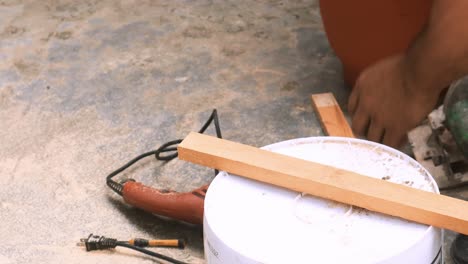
column 396, row 94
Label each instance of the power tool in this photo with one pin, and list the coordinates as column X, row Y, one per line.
column 441, row 146
column 441, row 143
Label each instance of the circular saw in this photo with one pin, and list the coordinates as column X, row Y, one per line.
column 441, row 143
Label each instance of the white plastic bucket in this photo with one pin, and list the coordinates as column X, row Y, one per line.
column 252, row 222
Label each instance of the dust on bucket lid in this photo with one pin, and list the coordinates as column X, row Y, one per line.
column 268, row 224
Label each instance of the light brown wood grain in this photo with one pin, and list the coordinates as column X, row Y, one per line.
column 327, row 182
column 331, row 117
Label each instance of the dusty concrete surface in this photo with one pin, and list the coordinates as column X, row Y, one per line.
column 87, row 85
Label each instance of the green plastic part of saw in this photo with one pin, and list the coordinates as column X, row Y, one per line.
column 456, row 118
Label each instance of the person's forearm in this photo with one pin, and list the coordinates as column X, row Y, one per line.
column 439, row 55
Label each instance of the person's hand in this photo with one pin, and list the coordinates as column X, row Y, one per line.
column 385, row 103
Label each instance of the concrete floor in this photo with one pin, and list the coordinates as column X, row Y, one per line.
column 87, row 85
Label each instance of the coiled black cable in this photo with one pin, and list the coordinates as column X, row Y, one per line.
column 170, row 146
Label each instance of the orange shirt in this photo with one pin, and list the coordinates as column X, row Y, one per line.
column 362, row 32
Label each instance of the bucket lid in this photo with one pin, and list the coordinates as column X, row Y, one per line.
column 269, row 224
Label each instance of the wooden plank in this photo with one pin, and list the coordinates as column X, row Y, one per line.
column 330, row 115
column 327, row 182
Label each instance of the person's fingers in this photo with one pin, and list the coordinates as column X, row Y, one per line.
column 394, row 139
column 360, row 122
column 353, row 100
column 375, row 132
